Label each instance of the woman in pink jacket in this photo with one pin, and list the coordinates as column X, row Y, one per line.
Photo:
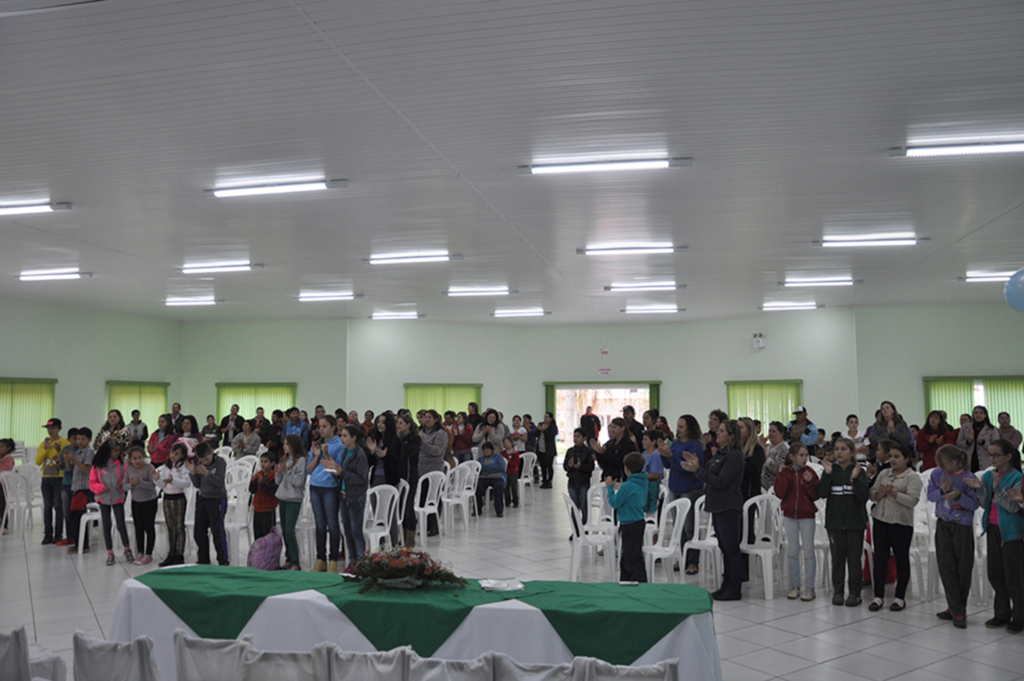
column 105, row 481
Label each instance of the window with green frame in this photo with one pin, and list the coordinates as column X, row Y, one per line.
column 957, row 395
column 441, row 396
column 764, row 401
column 25, row 405
column 149, row 398
column 249, row 396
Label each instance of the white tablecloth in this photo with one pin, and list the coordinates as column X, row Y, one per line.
column 298, row 621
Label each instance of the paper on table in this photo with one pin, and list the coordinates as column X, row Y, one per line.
column 501, row 585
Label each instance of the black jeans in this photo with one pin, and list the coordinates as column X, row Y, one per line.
column 1005, row 575
column 497, row 486
column 897, row 539
column 847, row 547
column 547, row 468
column 122, row 529
column 728, row 529
column 262, row 521
column 631, row 564
column 144, row 517
column 210, row 519
column 53, row 505
column 954, row 552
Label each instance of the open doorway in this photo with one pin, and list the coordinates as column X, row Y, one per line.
column 571, row 402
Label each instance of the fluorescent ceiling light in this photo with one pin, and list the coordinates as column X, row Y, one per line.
column 958, row 149
column 320, row 185
column 820, row 281
column 183, row 302
column 418, row 256
column 987, row 277
column 652, row 309
column 869, row 240
column 215, row 267
column 645, row 286
column 395, row 315
column 479, row 291
column 770, row 307
column 656, row 248
column 314, row 297
column 524, row 312
column 605, row 166
column 62, row 273
column 29, row 209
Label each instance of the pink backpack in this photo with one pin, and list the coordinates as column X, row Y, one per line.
column 265, row 553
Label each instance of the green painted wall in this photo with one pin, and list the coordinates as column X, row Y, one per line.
column 83, row 349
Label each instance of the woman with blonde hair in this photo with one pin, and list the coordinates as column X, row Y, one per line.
column 750, row 485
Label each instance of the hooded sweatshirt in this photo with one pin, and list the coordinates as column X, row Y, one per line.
column 631, row 498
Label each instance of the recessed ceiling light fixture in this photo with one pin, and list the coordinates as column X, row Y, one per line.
column 524, row 312
column 455, row 291
column 57, row 274
column 820, row 281
column 987, row 277
column 412, row 257
column 653, row 248
column 958, row 149
column 606, row 166
column 326, row 296
column 644, row 286
column 31, row 208
column 261, row 190
column 870, row 240
column 217, row 267
column 395, row 315
column 190, row 301
column 652, row 309
column 775, row 307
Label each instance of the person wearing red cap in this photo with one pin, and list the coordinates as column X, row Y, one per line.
column 48, row 458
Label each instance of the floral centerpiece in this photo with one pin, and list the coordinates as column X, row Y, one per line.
column 402, row 568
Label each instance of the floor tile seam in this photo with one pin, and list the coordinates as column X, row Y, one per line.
column 85, row 590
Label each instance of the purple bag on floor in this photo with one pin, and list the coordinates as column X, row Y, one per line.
column 265, row 552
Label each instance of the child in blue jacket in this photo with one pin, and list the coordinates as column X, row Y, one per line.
column 629, row 499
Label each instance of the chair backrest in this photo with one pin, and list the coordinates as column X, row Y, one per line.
column 479, row 669
column 597, row 497
column 526, row 463
column 224, row 452
column 261, row 449
column 403, row 496
column 19, row 452
column 459, row 481
column 381, row 507
column 434, row 484
column 381, row 666
column 816, row 467
column 14, row 656
column 250, row 460
column 677, row 510
column 33, row 475
column 766, row 523
column 15, row 488
column 237, row 471
column 446, row 468
column 99, row 660
column 238, row 512
column 704, row 528
column 575, row 518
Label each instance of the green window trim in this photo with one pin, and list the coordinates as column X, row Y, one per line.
column 150, row 383
column 11, row 379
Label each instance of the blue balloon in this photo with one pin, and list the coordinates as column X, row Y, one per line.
column 1014, row 291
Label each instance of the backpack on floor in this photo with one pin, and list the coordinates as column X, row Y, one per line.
column 265, row 552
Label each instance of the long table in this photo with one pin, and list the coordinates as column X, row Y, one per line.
column 548, row 622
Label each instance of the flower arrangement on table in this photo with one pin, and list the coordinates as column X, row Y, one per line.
column 402, row 568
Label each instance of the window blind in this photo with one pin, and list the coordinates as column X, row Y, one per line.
column 25, row 405
column 764, row 401
column 441, row 396
column 149, row 398
column 249, row 396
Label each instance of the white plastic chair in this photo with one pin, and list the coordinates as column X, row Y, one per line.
column 981, row 586
column 99, row 660
column 190, row 517
column 34, row 477
column 427, row 504
column 236, row 471
column 582, row 539
column 822, row 547
column 379, row 516
column 677, row 510
column 16, row 493
column 403, row 496
column 252, row 461
column 305, row 528
column 14, row 663
column 526, row 463
column 706, row 543
column 237, row 518
column 765, row 546
column 200, row 659
column 601, row 519
column 459, row 495
column 224, row 453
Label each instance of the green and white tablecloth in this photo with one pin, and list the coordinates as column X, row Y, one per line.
column 548, row 622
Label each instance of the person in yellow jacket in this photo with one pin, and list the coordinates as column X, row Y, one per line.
column 48, row 458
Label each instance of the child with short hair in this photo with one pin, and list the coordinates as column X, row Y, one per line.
column 65, row 489
column 845, row 485
column 263, row 487
column 492, row 474
column 796, row 485
column 511, row 455
column 105, row 481
column 173, row 478
column 579, row 466
column 1004, row 528
column 955, row 502
column 207, row 472
column 79, row 462
column 140, row 479
column 629, row 498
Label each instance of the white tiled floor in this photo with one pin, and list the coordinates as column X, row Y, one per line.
column 45, row 590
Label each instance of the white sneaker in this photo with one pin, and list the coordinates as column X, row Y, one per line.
column 793, row 594
column 808, row 595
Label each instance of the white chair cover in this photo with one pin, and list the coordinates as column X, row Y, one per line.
column 392, row 665
column 201, row 659
column 434, row 669
column 46, row 664
column 591, row 669
column 99, row 660
column 508, row 669
column 14, row 664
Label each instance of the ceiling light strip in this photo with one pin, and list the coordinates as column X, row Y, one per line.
column 288, row 188
column 395, row 315
column 868, row 243
column 606, row 166
column 649, row 286
column 484, row 291
column 776, row 307
column 834, row 281
column 654, row 309
column 188, row 302
column 218, row 267
column 33, row 208
column 415, row 257
column 325, row 297
column 526, row 312
column 56, row 274
column 958, row 149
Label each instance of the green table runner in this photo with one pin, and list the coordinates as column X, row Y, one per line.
column 607, row 621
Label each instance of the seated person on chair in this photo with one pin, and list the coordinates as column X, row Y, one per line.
column 492, row 474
